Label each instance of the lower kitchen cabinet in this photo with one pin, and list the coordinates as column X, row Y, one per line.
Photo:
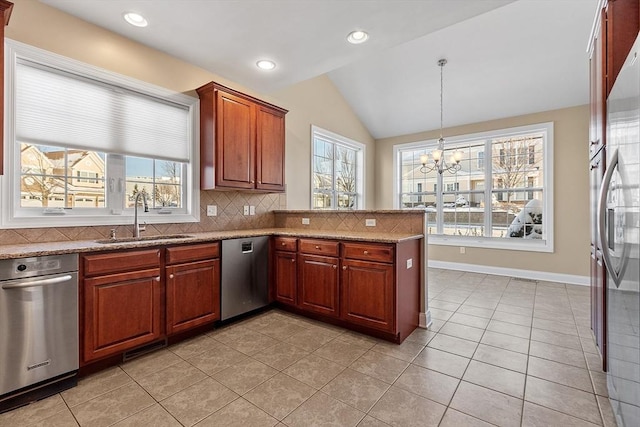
column 193, row 288
column 285, row 277
column 367, row 294
column 371, row 287
column 133, row 298
column 121, row 311
column 318, row 284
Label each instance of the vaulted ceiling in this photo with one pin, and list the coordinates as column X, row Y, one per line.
column 505, row 57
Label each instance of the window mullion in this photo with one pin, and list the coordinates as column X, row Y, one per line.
column 488, row 187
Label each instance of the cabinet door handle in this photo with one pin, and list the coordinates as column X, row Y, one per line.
column 366, row 252
column 344, row 267
column 259, row 182
column 157, row 279
column 293, row 260
column 171, row 276
column 335, row 266
column 253, row 182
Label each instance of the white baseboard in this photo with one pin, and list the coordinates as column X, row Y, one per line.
column 425, row 320
column 513, row 272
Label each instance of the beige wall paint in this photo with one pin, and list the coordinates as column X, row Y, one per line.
column 316, row 101
column 571, row 193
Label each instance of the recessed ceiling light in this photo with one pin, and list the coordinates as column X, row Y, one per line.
column 265, row 64
column 135, row 19
column 357, row 37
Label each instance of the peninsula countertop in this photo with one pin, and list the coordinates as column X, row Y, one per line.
column 78, row 246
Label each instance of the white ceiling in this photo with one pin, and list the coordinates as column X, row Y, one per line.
column 505, row 57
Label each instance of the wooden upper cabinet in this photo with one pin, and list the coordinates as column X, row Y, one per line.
column 622, row 26
column 241, row 141
column 270, row 149
column 5, row 8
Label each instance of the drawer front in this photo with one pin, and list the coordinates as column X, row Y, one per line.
column 288, row 244
column 187, row 253
column 319, row 247
column 368, row 251
column 113, row 262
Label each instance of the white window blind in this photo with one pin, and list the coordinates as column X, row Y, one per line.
column 54, row 107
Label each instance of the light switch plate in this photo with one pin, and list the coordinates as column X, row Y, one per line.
column 252, row 210
column 305, row 221
column 212, row 210
column 370, row 222
column 409, row 263
column 245, row 210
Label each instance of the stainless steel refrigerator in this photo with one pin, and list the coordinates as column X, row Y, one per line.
column 619, row 230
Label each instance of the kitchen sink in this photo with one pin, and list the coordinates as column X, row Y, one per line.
column 142, row 239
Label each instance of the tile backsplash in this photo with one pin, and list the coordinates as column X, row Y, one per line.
column 386, row 221
column 230, row 217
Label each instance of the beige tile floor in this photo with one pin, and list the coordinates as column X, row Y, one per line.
column 501, row 351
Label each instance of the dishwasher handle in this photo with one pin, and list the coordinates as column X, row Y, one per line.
column 18, row 284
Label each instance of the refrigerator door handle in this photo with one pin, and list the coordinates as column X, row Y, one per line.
column 602, row 229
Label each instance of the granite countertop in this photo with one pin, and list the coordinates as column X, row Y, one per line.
column 77, row 246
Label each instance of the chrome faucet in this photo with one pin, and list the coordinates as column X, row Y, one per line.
column 136, row 227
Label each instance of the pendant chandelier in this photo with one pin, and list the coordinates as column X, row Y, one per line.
column 438, row 161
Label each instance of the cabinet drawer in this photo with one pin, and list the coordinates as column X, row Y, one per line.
column 113, row 262
column 188, row 253
column 368, row 252
column 319, row 247
column 289, row 244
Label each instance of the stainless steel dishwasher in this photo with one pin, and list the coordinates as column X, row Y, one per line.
column 245, row 284
column 38, row 328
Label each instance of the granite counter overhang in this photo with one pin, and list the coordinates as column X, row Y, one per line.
column 78, row 246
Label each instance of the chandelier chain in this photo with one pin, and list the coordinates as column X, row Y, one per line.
column 441, row 63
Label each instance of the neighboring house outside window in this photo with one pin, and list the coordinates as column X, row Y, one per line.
column 503, row 199
column 85, row 141
column 336, row 171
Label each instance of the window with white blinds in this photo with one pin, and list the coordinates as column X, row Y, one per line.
column 61, row 108
column 82, row 142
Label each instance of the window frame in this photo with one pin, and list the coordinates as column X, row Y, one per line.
column 533, row 245
column 15, row 216
column 336, row 139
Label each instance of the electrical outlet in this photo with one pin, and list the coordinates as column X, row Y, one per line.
column 463, row 249
column 246, row 210
column 409, row 263
column 252, row 210
column 212, row 210
column 305, row 221
column 370, row 222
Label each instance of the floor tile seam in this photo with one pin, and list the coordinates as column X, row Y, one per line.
column 566, row 413
column 388, row 387
column 521, row 399
column 131, row 380
column 469, row 415
column 281, row 420
column 39, row 420
column 557, row 361
column 172, row 363
column 397, row 358
column 130, row 415
column 206, row 416
column 592, row 392
column 181, row 390
column 250, row 389
column 495, row 366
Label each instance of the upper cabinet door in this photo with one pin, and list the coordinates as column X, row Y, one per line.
column 241, row 141
column 235, row 141
column 270, row 149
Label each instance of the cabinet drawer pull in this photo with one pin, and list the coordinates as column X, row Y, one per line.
column 171, row 276
column 157, row 279
column 366, row 252
column 283, row 244
column 317, row 247
column 293, row 260
column 335, row 266
column 344, row 267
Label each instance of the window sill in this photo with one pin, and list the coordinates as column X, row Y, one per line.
column 527, row 245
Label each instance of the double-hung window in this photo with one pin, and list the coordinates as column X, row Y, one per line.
column 83, row 142
column 337, row 171
column 502, row 196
